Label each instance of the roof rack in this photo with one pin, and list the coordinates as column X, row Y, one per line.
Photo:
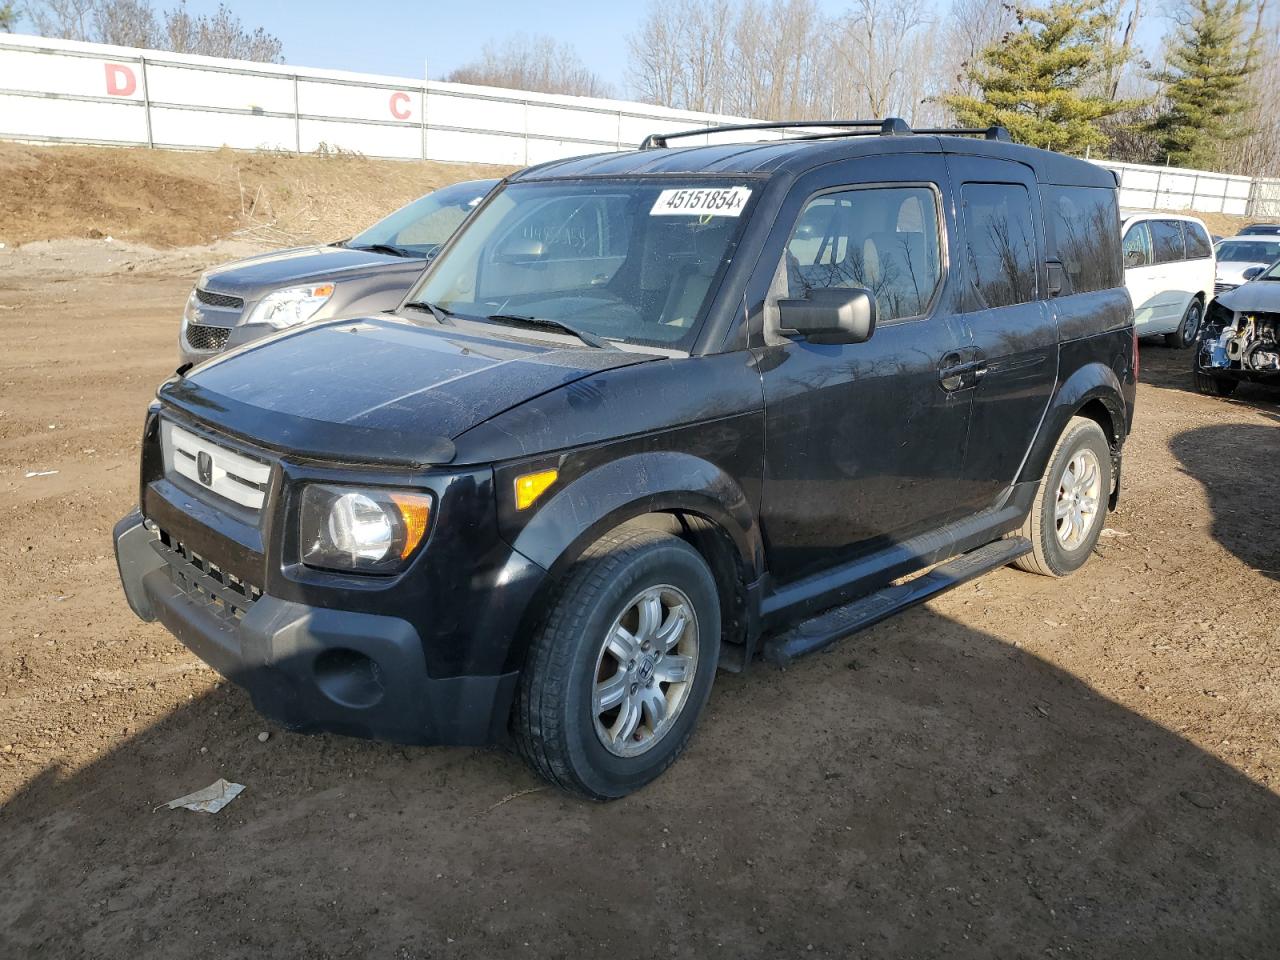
column 888, row 127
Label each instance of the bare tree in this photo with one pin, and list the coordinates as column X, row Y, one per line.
column 135, row 23
column 971, row 27
column 532, row 63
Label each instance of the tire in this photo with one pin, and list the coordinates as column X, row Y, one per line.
column 1083, row 442
column 1188, row 327
column 555, row 724
column 1210, row 385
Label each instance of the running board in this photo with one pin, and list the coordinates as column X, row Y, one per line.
column 838, row 622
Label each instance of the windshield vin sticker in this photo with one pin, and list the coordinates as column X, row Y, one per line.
column 701, row 202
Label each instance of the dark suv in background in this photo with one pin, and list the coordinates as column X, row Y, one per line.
column 647, row 415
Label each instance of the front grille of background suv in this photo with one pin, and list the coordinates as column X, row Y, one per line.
column 202, row 336
column 219, row 299
column 204, row 582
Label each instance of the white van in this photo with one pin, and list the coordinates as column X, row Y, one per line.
column 1170, row 271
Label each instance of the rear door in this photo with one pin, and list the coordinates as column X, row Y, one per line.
column 1175, row 293
column 1142, row 275
column 1012, row 339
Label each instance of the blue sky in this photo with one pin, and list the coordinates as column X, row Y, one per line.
column 405, row 38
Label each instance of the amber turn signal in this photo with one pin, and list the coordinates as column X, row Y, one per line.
column 532, row 485
column 415, row 514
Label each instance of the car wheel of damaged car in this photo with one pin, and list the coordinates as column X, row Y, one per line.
column 1071, row 504
column 1188, row 328
column 621, row 666
column 1214, row 386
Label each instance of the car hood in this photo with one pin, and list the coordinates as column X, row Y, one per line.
column 1233, row 272
column 1257, row 295
column 382, row 390
column 253, row 276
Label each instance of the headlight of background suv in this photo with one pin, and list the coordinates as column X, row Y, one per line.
column 291, row 306
column 359, row 530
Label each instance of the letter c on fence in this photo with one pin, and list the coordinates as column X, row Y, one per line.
column 400, row 105
column 120, row 80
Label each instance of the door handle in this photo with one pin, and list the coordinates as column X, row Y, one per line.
column 955, row 373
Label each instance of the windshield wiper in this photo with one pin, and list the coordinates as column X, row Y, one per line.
column 382, row 248
column 590, row 339
column 441, row 315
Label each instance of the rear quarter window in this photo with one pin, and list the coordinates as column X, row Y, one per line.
column 1084, row 227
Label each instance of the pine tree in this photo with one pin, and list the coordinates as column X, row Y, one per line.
column 1046, row 81
column 1206, row 84
column 8, row 16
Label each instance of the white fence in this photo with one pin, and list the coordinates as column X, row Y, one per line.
column 65, row 91
column 60, row 91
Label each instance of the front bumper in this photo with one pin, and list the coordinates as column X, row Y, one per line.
column 311, row 668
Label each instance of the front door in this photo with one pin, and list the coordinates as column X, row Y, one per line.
column 1012, row 333
column 864, row 442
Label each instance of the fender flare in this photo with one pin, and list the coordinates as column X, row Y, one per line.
column 635, row 485
column 1093, row 381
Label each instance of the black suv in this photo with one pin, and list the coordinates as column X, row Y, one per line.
column 649, row 414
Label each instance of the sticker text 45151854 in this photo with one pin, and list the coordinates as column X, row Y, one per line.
column 701, row 202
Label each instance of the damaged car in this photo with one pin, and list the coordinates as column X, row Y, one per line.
column 1241, row 336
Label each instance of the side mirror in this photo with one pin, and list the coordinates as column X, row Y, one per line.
column 520, row 250
column 1252, row 272
column 830, row 315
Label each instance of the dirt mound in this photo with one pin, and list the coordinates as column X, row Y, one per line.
column 168, row 198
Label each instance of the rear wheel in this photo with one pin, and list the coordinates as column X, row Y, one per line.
column 1071, row 504
column 620, row 670
column 1189, row 328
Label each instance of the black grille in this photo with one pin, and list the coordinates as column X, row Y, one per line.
column 201, row 336
column 219, row 299
column 204, row 582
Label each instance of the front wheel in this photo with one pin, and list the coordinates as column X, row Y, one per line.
column 1071, row 503
column 1189, row 328
column 622, row 666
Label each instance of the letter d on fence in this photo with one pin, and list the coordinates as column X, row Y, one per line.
column 121, row 81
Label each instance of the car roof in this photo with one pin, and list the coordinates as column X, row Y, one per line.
column 774, row 157
column 1131, row 215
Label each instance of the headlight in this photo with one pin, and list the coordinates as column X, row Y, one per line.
column 366, row 531
column 291, row 306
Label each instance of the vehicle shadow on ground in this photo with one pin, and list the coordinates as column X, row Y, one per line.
column 923, row 789
column 1237, row 466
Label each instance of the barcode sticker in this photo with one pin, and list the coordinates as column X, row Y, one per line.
column 701, row 202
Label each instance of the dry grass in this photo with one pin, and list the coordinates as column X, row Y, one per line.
column 179, row 198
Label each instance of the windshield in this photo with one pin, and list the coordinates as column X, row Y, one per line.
column 634, row 260
column 422, row 226
column 1249, row 251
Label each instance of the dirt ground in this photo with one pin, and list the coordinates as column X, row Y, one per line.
column 170, row 198
column 1021, row 768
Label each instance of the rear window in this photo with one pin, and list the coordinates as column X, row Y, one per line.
column 1001, row 240
column 1084, row 225
column 1166, row 238
column 1198, row 245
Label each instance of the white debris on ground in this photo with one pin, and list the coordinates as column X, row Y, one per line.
column 209, row 800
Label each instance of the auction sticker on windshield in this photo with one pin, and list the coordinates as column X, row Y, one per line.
column 701, row 202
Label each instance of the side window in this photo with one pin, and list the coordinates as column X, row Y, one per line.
column 885, row 239
column 1137, row 246
column 1166, row 239
column 1002, row 242
column 1198, row 245
column 1084, row 224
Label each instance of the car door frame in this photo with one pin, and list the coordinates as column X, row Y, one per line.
column 853, row 572
column 1150, row 284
